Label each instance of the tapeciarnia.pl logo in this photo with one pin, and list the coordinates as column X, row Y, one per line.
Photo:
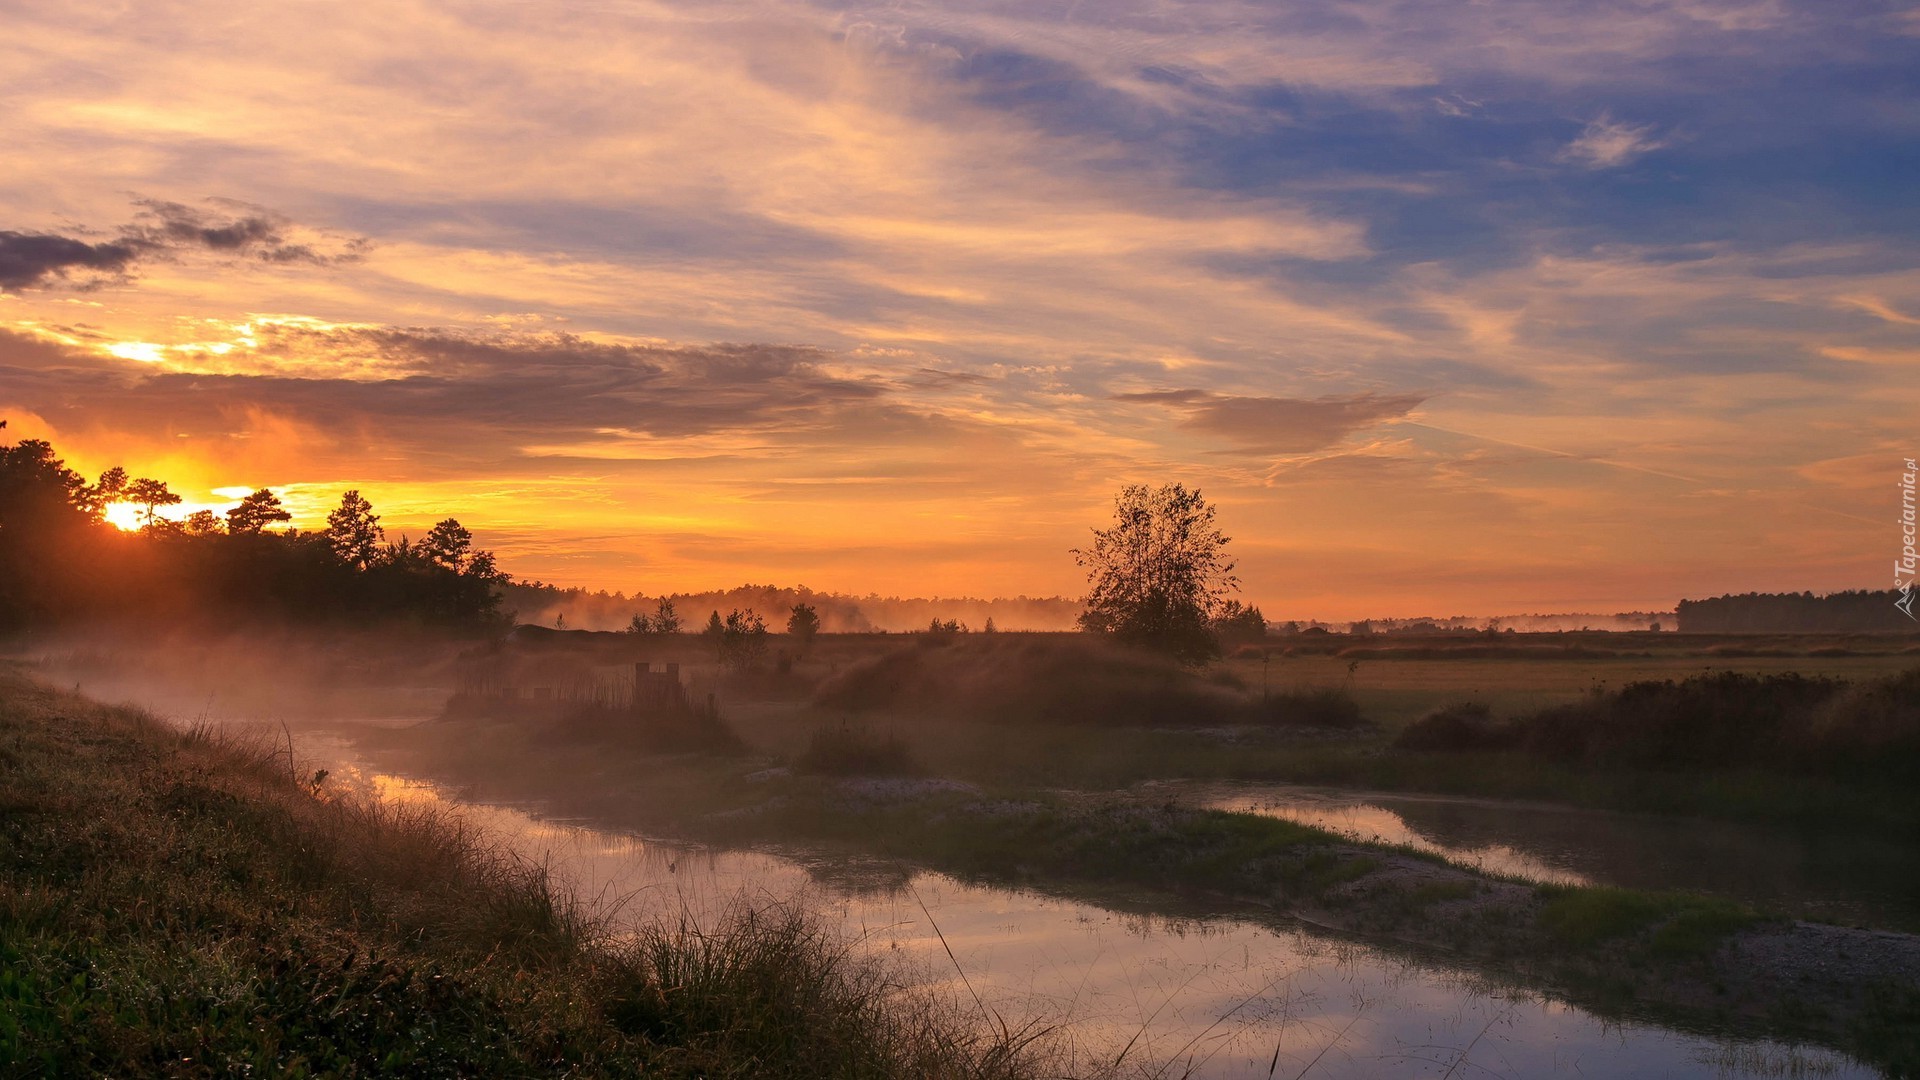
column 1903, row 567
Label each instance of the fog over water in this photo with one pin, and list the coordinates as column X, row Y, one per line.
column 1188, row 992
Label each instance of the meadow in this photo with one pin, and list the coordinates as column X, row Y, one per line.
column 1043, row 762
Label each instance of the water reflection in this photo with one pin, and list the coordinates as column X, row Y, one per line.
column 1835, row 876
column 1199, row 997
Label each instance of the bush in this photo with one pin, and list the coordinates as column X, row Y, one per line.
column 856, row 750
column 1468, row 725
column 1787, row 722
column 1328, row 708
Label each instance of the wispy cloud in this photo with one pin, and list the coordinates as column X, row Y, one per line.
column 1606, row 143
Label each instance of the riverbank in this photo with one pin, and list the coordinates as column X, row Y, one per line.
column 1683, row 960
column 178, row 903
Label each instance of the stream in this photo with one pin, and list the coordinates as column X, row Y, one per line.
column 1189, row 994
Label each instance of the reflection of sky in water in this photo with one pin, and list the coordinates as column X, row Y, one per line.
column 1364, row 821
column 1838, row 874
column 1227, row 998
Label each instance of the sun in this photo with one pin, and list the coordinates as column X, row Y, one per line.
column 124, row 516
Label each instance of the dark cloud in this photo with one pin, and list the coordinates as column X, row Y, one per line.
column 162, row 230
column 444, row 398
column 1275, row 425
column 28, row 260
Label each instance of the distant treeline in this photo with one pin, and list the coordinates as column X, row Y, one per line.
column 62, row 564
column 1856, row 611
column 839, row 613
column 1520, row 624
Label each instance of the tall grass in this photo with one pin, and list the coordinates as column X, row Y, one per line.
column 187, row 903
column 768, row 984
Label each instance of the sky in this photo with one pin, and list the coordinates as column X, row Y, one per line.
column 1450, row 307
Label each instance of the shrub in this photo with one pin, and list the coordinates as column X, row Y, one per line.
column 856, row 750
column 1328, row 707
column 1468, row 725
column 1787, row 722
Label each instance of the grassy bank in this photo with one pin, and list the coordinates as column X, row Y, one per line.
column 174, row 904
column 1686, row 960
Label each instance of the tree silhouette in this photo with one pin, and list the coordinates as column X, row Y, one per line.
column 803, row 624
column 150, row 495
column 1159, row 573
column 201, row 523
column 112, row 486
column 665, row 619
column 255, row 513
column 354, row 532
column 743, row 639
column 1235, row 623
column 47, row 520
column 60, row 564
column 449, row 544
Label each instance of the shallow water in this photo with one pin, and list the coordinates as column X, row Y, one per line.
column 1205, row 997
column 1834, row 876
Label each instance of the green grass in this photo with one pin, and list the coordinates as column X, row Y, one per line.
column 1681, row 925
column 180, row 905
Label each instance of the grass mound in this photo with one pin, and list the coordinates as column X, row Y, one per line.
column 178, row 904
column 1069, row 679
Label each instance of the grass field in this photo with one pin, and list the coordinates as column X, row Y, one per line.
column 1395, row 692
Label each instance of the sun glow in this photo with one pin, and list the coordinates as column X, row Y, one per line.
column 124, row 516
column 145, row 352
column 132, row 517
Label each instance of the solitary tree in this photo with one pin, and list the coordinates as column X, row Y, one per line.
column 1156, row 577
column 803, row 624
column 354, row 532
column 255, row 513
column 150, row 496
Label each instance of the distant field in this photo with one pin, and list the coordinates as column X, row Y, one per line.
column 1393, row 692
